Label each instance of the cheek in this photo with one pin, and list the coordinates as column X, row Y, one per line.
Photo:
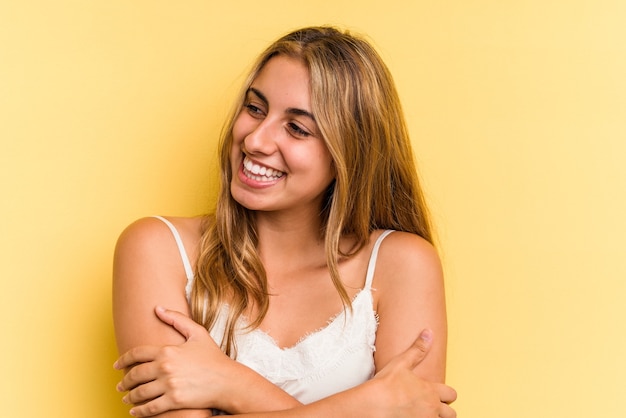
column 241, row 128
column 235, row 146
column 238, row 130
column 327, row 161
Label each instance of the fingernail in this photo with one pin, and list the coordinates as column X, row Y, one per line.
column 119, row 387
column 125, row 399
column 426, row 335
column 116, row 366
column 132, row 412
column 160, row 308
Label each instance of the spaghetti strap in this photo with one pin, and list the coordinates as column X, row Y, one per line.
column 183, row 255
column 372, row 263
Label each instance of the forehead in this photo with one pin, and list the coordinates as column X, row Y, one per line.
column 284, row 78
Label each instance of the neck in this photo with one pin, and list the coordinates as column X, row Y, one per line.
column 293, row 236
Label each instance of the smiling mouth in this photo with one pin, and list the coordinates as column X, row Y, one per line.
column 260, row 173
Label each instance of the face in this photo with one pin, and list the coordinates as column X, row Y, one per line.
column 280, row 161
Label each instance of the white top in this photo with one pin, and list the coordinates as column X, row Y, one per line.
column 335, row 358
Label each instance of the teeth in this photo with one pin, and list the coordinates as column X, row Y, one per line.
column 260, row 173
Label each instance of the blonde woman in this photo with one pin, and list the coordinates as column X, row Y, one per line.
column 314, row 287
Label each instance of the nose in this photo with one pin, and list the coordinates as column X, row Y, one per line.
column 262, row 139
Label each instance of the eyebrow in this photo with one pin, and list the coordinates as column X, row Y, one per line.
column 291, row 110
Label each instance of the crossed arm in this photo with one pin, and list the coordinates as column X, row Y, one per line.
column 395, row 390
column 174, row 369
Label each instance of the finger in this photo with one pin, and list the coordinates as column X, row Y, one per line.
column 446, row 411
column 138, row 375
column 136, row 355
column 151, row 408
column 181, row 323
column 446, row 393
column 417, row 351
column 144, row 393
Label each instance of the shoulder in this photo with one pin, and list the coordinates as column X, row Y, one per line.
column 151, row 238
column 406, row 263
column 404, row 251
column 151, row 231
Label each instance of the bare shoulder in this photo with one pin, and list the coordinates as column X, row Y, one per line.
column 146, row 230
column 408, row 256
column 151, row 237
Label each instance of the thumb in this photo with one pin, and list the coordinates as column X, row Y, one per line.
column 418, row 350
column 180, row 322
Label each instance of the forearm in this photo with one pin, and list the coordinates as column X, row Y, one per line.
column 350, row 403
column 186, row 413
column 257, row 394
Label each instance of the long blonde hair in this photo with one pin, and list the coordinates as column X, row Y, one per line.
column 359, row 116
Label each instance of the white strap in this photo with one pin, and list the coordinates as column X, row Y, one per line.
column 183, row 255
column 372, row 264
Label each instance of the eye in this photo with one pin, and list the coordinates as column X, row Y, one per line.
column 296, row 130
column 254, row 111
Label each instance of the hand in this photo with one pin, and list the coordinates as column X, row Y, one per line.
column 407, row 395
column 191, row 375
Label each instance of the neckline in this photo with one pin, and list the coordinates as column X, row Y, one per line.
column 266, row 336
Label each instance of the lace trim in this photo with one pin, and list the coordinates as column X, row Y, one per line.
column 316, row 353
column 344, row 313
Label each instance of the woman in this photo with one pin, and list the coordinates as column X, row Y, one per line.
column 298, row 275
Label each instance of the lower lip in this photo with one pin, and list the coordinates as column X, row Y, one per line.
column 255, row 183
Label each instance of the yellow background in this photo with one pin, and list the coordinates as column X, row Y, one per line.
column 109, row 111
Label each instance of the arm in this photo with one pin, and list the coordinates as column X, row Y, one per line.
column 148, row 272
column 146, row 269
column 394, row 392
column 409, row 297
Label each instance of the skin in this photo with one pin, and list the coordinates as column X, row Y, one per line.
column 164, row 351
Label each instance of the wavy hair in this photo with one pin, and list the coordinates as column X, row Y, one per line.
column 358, row 112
